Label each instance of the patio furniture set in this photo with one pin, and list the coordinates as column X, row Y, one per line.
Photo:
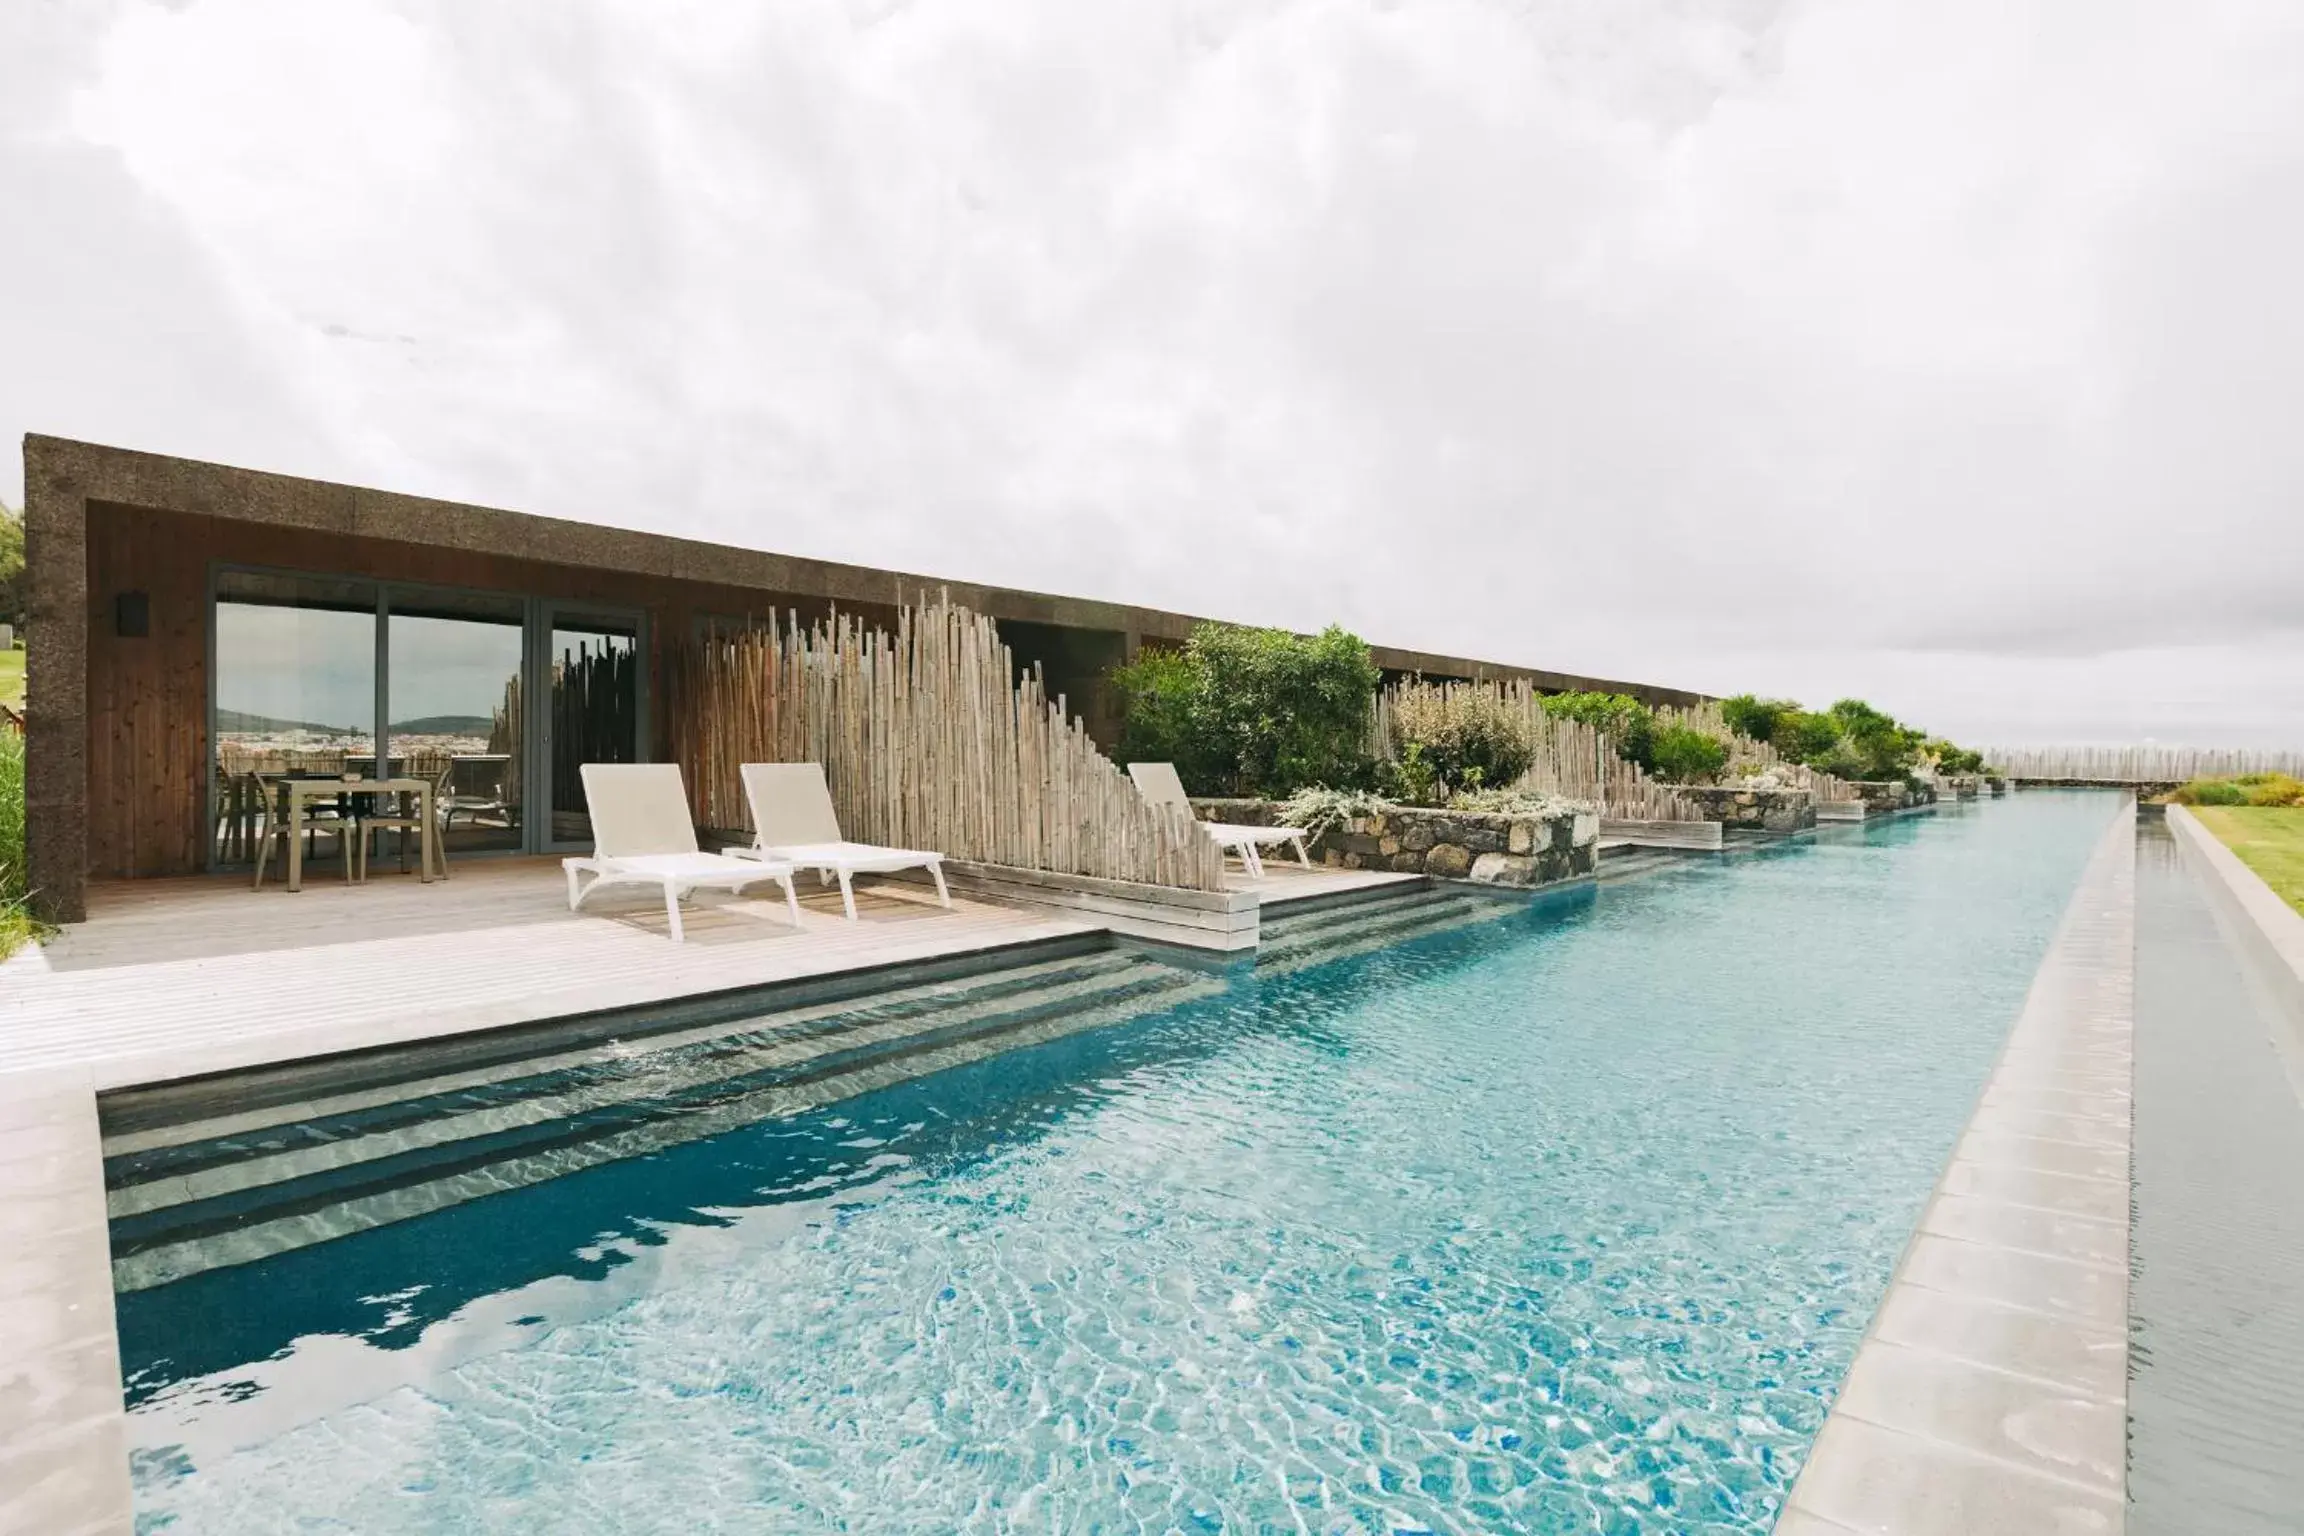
column 278, row 813
column 642, row 831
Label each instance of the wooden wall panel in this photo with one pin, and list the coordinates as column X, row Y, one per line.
column 147, row 697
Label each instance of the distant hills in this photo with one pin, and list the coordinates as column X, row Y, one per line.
column 445, row 725
column 241, row 722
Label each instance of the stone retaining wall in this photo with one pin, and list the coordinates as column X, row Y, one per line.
column 1486, row 849
column 1880, row 796
column 1755, row 810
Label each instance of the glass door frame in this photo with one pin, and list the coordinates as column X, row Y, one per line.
column 539, row 617
column 545, row 615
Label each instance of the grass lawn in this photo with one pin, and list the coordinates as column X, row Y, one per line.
column 12, row 679
column 2269, row 840
column 16, row 924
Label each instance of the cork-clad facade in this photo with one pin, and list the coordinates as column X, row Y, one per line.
column 129, row 554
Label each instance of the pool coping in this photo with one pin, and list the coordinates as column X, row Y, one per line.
column 1990, row 1391
column 63, row 1431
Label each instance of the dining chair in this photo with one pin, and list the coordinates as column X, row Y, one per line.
column 273, row 823
column 404, row 819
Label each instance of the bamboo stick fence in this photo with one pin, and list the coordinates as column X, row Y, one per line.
column 1572, row 760
column 928, row 740
column 2139, row 765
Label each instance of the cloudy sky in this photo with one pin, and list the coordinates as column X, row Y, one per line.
column 1945, row 353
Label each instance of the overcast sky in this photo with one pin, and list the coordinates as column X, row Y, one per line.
column 1945, row 353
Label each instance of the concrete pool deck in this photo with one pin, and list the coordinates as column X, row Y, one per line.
column 1990, row 1394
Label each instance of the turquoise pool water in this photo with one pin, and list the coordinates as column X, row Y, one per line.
column 1565, row 1222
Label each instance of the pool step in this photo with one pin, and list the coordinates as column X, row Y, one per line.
column 1293, row 942
column 1622, row 863
column 198, row 1195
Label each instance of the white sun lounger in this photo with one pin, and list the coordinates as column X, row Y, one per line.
column 1158, row 784
column 796, row 825
column 641, row 835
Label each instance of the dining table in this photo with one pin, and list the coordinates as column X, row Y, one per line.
column 301, row 792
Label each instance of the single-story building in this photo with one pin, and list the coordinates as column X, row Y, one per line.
column 193, row 625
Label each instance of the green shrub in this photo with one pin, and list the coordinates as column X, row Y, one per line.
column 1685, row 755
column 2273, row 789
column 1874, row 743
column 1253, row 711
column 2263, row 789
column 1466, row 739
column 1805, row 737
column 1952, row 759
column 1628, row 723
column 1159, row 694
column 1410, row 779
column 17, row 924
column 12, row 587
column 1757, row 719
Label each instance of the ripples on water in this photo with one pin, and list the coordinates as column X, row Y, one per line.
column 1566, row 1224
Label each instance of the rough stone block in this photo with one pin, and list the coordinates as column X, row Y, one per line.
column 1481, row 838
column 1504, row 869
column 1448, row 861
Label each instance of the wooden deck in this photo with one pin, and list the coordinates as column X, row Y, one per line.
column 1284, row 882
column 172, row 978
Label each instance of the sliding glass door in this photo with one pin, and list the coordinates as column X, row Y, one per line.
column 294, row 696
column 496, row 698
column 454, row 667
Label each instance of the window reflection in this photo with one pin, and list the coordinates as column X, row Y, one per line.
column 455, row 714
column 295, row 693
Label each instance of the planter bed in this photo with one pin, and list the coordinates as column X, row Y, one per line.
column 1754, row 810
column 1482, row 848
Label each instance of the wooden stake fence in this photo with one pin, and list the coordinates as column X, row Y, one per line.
column 1572, row 760
column 2140, row 765
column 928, row 740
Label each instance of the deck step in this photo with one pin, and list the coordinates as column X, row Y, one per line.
column 1281, row 925
column 1320, row 937
column 202, row 1201
column 1623, row 863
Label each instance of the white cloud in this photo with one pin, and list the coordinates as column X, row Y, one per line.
column 1936, row 353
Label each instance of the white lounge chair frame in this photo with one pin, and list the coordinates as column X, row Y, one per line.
column 796, row 825
column 1158, row 784
column 641, row 835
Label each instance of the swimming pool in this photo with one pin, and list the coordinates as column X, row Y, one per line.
column 1568, row 1220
